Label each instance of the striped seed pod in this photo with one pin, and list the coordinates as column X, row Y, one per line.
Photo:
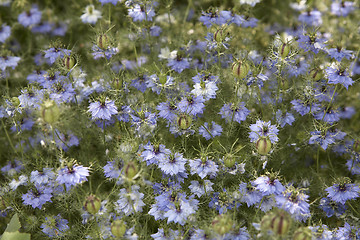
column 92, row 204
column 240, row 69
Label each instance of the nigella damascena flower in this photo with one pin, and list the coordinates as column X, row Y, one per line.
column 347, row 232
column 179, row 212
column 54, row 53
column 249, row 194
column 130, row 201
column 294, row 202
column 322, row 232
column 203, row 167
column 209, row 132
column 311, row 18
column 42, row 177
column 340, row 53
column 201, row 189
column 30, row 17
column 342, row 192
column 322, row 139
column 331, row 207
column 5, row 32
column 336, row 76
column 268, row 185
column 8, row 61
column 55, row 226
column 102, row 110
column 71, row 176
column 342, row 8
column 38, row 197
column 263, row 129
column 234, row 112
column 141, row 13
column 192, row 105
column 172, row 164
column 91, row 15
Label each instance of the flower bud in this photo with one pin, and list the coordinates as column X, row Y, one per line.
column 222, row 224
column 131, row 170
column 102, row 41
column 316, row 74
column 303, row 233
column 15, row 101
column 219, row 35
column 284, row 50
column 118, row 228
column 69, row 62
column 263, row 145
column 240, row 69
column 50, row 112
column 229, row 160
column 184, row 121
column 117, row 83
column 92, row 204
column 162, row 79
column 280, row 223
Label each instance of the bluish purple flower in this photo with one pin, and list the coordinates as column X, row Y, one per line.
column 322, row 139
column 222, row 201
column 130, row 202
column 294, row 202
column 347, row 232
column 167, row 110
column 12, row 167
column 102, row 110
column 336, row 76
column 172, row 164
column 328, row 115
column 208, row 132
column 250, row 22
column 342, row 192
column 178, row 64
column 112, row 169
column 342, row 8
column 65, row 141
column 152, row 154
column 71, row 176
column 312, row 43
column 249, row 194
column 43, row 177
column 283, row 120
column 179, row 212
column 98, row 52
column 30, row 17
column 263, row 129
column 140, row 83
column 304, row 107
column 201, row 189
column 267, row 185
column 233, row 112
column 155, row 31
column 300, row 67
column 5, row 32
column 340, row 53
column 203, row 167
column 114, row 2
column 353, row 164
column 55, row 226
column 192, row 105
column 321, row 232
column 54, row 53
column 207, row 89
column 212, row 17
column 332, row 208
column 38, row 197
column 311, row 18
column 8, row 61
column 140, row 13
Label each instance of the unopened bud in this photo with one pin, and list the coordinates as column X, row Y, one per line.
column 229, row 160
column 222, row 224
column 284, row 50
column 240, row 69
column 303, row 233
column 131, row 170
column 184, row 122
column 50, row 112
column 117, row 83
column 118, row 228
column 263, row 145
column 15, row 101
column 102, row 41
column 92, row 204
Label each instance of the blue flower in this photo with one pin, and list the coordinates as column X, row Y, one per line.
column 263, row 129
column 201, row 189
column 208, row 132
column 233, row 112
column 222, row 201
column 42, row 178
column 340, row 53
column 249, row 194
column 141, row 13
column 342, row 8
column 336, row 76
column 140, row 83
column 8, row 61
column 71, row 176
column 38, row 197
column 332, row 208
column 178, row 64
column 167, row 110
column 267, row 185
column 347, row 232
column 294, row 202
column 12, row 167
column 203, row 167
column 283, row 120
column 129, row 202
column 5, row 32
column 342, row 192
column 212, row 17
column 55, row 226
column 328, row 115
column 98, row 52
column 207, row 89
column 322, row 232
column 311, row 18
column 109, row 1
column 54, row 53
column 192, row 105
column 102, row 110
column 321, row 139
column 304, row 107
column 172, row 164
column 312, row 43
column 31, row 17
column 152, row 154
column 179, row 212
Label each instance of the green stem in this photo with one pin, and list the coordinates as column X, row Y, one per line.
column 8, row 137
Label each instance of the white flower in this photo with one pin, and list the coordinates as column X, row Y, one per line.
column 14, row 184
column 166, row 54
column 91, row 15
column 250, row 2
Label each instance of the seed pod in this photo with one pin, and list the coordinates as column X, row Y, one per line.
column 15, row 101
column 219, row 35
column 69, row 62
column 302, row 233
column 266, row 222
column 240, row 69
column 184, row 121
column 131, row 170
column 92, row 204
column 50, row 112
column 229, row 160
column 117, row 83
column 222, row 224
column 284, row 50
column 118, row 228
column 263, row 145
column 280, row 223
column 102, row 41
column 316, row 74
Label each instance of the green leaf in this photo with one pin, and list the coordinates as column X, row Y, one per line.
column 14, row 224
column 15, row 236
